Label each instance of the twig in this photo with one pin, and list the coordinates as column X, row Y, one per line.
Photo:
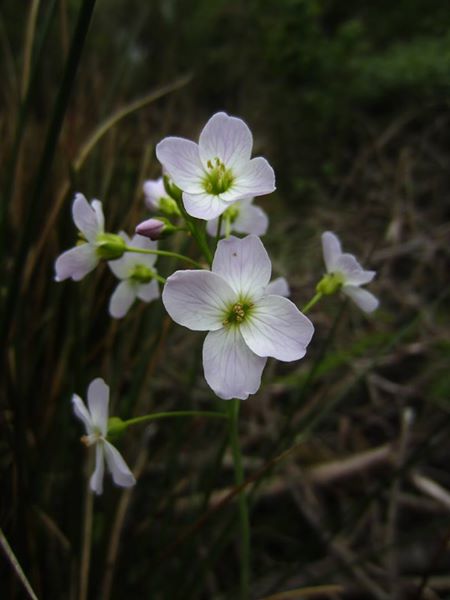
column 391, row 529
column 16, row 566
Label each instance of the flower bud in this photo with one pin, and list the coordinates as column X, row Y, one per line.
column 155, row 229
column 110, row 246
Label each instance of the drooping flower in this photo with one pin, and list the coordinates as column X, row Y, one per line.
column 346, row 274
column 246, row 324
column 243, row 217
column 95, row 419
column 156, row 198
column 137, row 274
column 218, row 170
column 94, row 243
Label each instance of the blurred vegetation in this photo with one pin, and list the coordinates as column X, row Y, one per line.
column 349, row 103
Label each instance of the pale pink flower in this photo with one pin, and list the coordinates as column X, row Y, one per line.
column 218, row 170
column 246, row 323
column 136, row 272
column 244, row 218
column 95, row 420
column 345, row 273
column 81, row 260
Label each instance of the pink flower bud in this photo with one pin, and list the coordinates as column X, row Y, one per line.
column 151, row 228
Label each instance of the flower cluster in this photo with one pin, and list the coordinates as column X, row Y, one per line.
column 247, row 317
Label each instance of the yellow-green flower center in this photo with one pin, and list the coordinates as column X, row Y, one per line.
column 141, row 274
column 238, row 313
column 218, row 178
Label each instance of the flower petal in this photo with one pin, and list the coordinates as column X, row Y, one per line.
column 76, row 263
column 251, row 219
column 198, row 300
column 244, row 264
column 88, row 219
column 331, row 247
column 181, row 160
column 359, row 277
column 204, row 206
column 80, row 410
column 120, row 471
column 231, row 369
column 122, row 298
column 98, row 401
column 96, row 480
column 154, row 190
column 277, row 328
column 278, row 287
column 148, row 291
column 226, row 138
column 362, row 298
column 256, row 178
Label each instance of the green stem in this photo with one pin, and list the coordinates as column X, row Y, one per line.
column 227, row 226
column 172, row 415
column 197, row 233
column 312, row 302
column 163, row 253
column 243, row 506
column 219, row 228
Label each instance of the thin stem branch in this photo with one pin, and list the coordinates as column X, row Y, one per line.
column 172, row 415
column 16, row 565
column 312, row 302
column 243, row 506
column 163, row 253
column 87, row 537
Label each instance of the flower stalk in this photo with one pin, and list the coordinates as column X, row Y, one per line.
column 244, row 520
column 164, row 253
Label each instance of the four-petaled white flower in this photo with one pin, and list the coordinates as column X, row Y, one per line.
column 81, row 260
column 137, row 274
column 246, row 324
column 96, row 423
column 345, row 273
column 243, row 216
column 218, row 170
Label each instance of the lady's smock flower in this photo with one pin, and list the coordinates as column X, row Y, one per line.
column 345, row 273
column 246, row 324
column 243, row 216
column 218, row 170
column 137, row 274
column 94, row 243
column 95, row 420
column 156, row 198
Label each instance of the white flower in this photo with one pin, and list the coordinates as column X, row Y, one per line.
column 137, row 274
column 345, row 273
column 79, row 261
column 246, row 324
column 243, row 217
column 94, row 243
column 154, row 192
column 156, row 198
column 218, row 170
column 96, row 422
